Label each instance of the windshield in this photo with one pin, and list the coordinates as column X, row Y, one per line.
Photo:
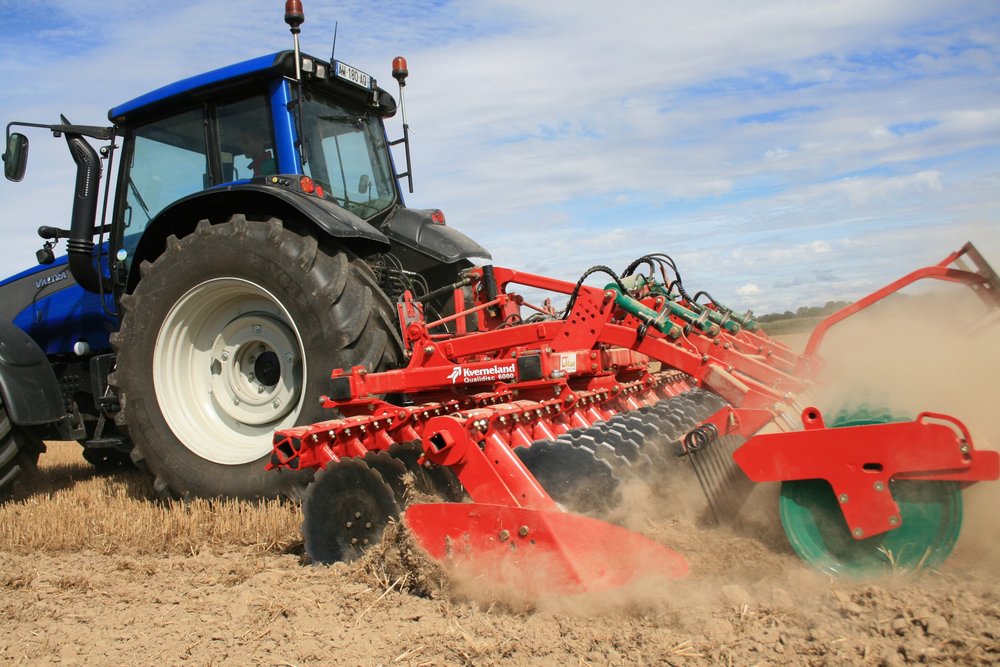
column 346, row 153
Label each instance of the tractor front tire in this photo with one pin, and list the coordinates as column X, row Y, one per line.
column 19, row 450
column 232, row 333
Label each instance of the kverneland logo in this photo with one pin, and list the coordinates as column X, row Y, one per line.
column 486, row 374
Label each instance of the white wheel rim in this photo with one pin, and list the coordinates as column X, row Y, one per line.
column 208, row 353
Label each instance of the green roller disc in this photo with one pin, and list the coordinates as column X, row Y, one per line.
column 930, row 513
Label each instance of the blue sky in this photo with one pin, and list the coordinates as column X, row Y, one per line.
column 783, row 153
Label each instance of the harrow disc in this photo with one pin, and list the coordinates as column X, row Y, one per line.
column 572, row 475
column 930, row 520
column 345, row 510
column 930, row 513
column 432, row 480
column 392, row 471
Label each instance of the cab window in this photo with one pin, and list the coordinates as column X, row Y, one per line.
column 168, row 161
column 246, row 140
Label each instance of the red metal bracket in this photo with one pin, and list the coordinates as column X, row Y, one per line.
column 859, row 461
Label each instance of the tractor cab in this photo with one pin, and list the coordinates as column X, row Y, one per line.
column 253, row 124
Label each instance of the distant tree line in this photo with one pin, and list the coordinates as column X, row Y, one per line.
column 803, row 311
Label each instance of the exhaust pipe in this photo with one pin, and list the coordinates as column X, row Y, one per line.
column 80, row 245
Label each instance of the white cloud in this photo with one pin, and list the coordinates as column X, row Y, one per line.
column 563, row 136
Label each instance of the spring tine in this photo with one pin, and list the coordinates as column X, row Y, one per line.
column 705, row 487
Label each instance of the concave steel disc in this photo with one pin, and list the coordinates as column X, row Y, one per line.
column 345, row 511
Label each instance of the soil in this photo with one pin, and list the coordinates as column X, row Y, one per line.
column 747, row 601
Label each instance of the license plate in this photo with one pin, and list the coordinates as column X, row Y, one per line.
column 355, row 76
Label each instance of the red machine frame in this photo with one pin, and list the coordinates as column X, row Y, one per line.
column 477, row 395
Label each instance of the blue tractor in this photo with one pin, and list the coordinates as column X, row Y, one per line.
column 253, row 239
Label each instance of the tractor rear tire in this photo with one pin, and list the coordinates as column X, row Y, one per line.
column 232, row 333
column 19, row 450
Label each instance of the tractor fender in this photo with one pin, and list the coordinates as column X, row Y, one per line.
column 416, row 229
column 28, row 384
column 219, row 204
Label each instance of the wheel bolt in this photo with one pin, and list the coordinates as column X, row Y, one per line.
column 256, row 328
column 357, row 515
column 368, row 524
column 349, row 524
column 354, row 540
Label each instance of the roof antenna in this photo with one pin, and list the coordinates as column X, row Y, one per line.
column 333, row 51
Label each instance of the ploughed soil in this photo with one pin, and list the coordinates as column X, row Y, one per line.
column 747, row 600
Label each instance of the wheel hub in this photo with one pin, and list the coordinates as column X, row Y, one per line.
column 249, row 359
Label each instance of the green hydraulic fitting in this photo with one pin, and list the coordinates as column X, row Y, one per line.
column 721, row 316
column 661, row 320
column 746, row 320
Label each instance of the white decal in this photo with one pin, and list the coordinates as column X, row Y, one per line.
column 48, row 280
column 488, row 374
column 567, row 362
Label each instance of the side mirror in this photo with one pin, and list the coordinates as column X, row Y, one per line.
column 15, row 159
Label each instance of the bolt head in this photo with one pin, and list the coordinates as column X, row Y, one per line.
column 256, row 328
column 504, row 535
column 858, row 532
column 522, row 531
column 843, row 498
column 879, row 486
column 894, row 520
column 225, row 356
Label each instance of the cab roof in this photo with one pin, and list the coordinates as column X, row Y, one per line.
column 261, row 68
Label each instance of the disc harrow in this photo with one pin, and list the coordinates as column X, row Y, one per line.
column 526, row 426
